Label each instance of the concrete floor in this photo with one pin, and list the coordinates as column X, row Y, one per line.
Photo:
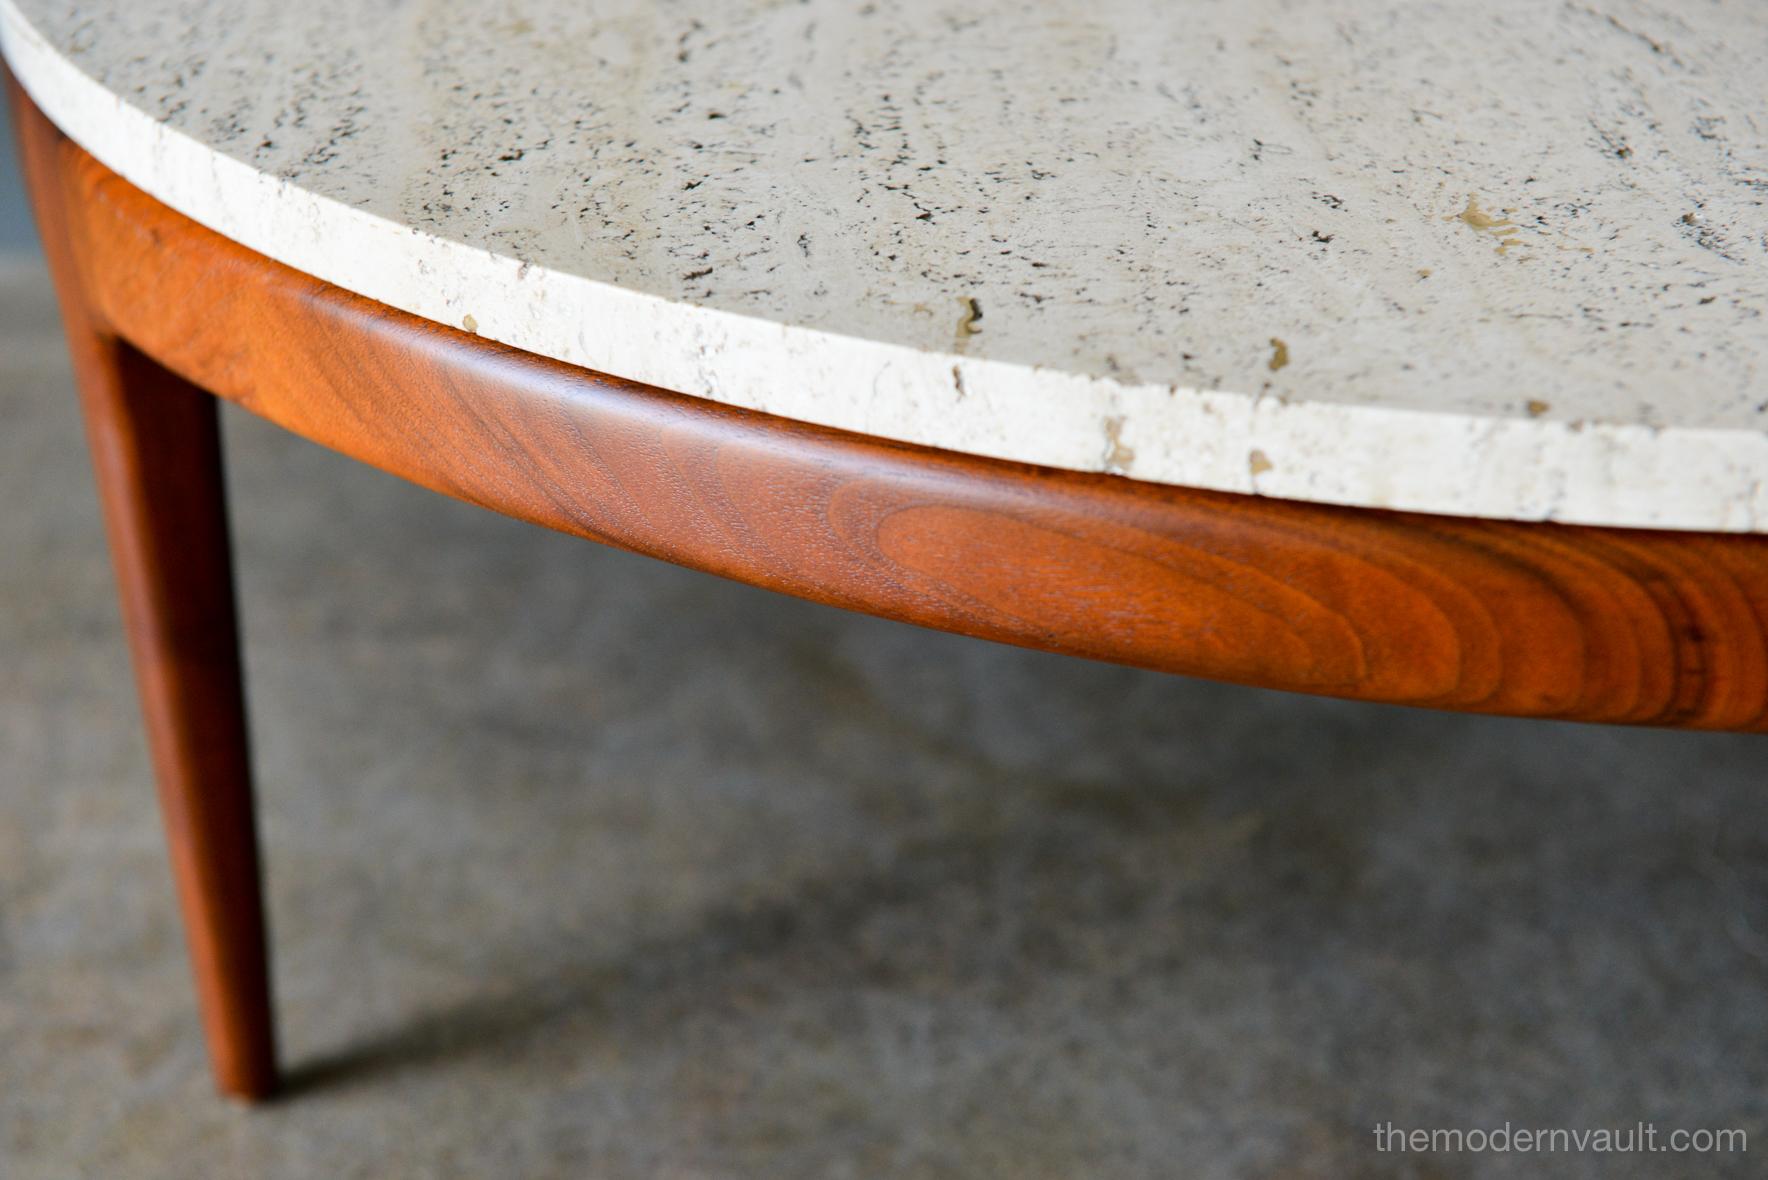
column 583, row 865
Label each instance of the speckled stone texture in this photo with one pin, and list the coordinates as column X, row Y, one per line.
column 581, row 865
column 1505, row 260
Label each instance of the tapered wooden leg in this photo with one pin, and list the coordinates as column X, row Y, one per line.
column 156, row 448
column 156, row 452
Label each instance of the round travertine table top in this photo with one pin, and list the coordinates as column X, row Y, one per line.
column 1506, row 259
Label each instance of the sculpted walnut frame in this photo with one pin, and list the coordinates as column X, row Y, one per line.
column 164, row 316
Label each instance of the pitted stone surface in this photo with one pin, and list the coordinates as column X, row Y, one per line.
column 1511, row 262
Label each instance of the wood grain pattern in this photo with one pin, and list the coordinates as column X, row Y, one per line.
column 1529, row 619
column 156, row 453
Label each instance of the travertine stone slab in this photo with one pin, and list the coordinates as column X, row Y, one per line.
column 1508, row 259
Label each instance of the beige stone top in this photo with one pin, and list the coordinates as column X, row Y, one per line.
column 1508, row 259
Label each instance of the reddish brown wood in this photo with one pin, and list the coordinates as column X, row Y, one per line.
column 1541, row 620
column 157, row 456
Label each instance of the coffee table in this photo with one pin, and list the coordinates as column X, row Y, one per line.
column 1315, row 347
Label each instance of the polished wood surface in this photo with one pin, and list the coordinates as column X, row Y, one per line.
column 156, row 453
column 1529, row 619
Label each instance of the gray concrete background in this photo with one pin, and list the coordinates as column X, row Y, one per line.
column 16, row 232
column 584, row 865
